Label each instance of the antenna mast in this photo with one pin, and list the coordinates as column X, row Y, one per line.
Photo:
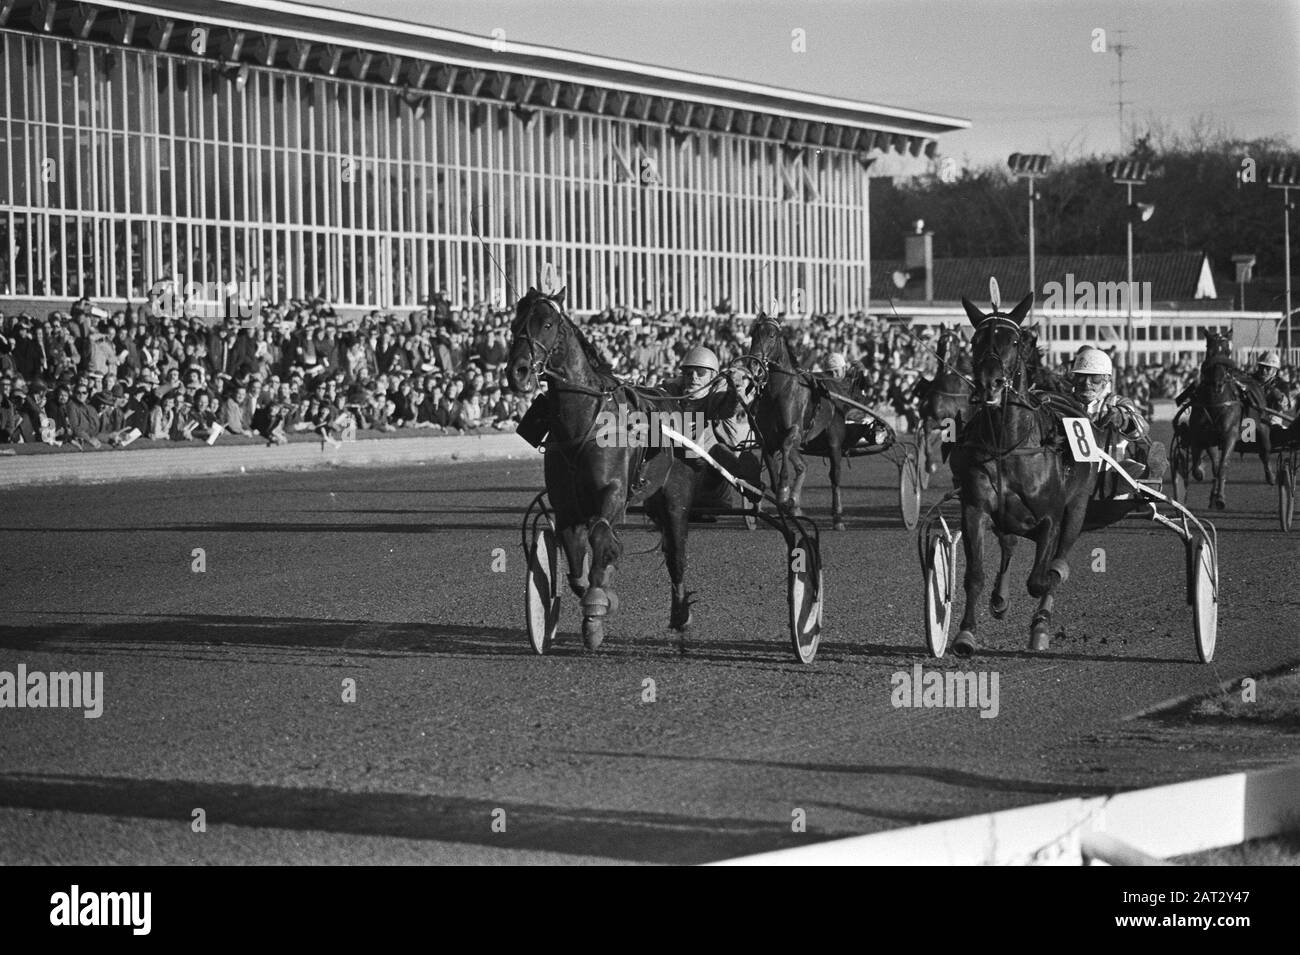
column 1120, row 49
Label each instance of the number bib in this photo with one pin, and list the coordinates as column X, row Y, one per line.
column 1083, row 444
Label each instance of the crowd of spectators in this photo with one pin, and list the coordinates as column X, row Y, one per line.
column 89, row 377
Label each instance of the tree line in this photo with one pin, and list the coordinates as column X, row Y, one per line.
column 1208, row 190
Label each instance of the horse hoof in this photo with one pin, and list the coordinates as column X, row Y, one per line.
column 1198, row 473
column 613, row 601
column 679, row 623
column 1219, row 504
column 597, row 602
column 1039, row 638
column 964, row 645
column 841, row 526
column 998, row 607
column 593, row 632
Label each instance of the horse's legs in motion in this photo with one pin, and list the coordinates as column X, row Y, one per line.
column 791, row 459
column 1264, row 441
column 573, row 539
column 836, row 462
column 972, row 539
column 1052, row 568
column 672, row 522
column 998, row 599
column 600, row 600
column 1227, row 442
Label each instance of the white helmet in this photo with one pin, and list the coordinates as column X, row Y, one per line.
column 1092, row 361
column 1270, row 359
column 835, row 363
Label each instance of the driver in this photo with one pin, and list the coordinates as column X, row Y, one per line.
column 1275, row 397
column 1090, row 376
column 727, row 426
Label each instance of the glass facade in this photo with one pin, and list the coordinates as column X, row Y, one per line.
column 121, row 167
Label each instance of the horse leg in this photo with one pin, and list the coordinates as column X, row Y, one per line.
column 573, row 539
column 674, row 548
column 600, row 600
column 1264, row 441
column 972, row 539
column 1048, row 575
column 998, row 601
column 836, row 462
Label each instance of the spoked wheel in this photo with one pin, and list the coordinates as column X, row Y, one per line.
column 542, row 596
column 923, row 458
column 1203, row 595
column 909, row 491
column 940, row 581
column 1285, row 495
column 1180, row 466
column 805, row 598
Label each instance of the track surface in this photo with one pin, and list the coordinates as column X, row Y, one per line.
column 224, row 688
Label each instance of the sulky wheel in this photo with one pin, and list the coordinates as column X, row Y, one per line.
column 542, row 598
column 1203, row 595
column 923, row 457
column 1286, row 495
column 1180, row 466
column 909, row 492
column 940, row 576
column 805, row 598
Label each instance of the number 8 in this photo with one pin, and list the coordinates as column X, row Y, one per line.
column 1085, row 450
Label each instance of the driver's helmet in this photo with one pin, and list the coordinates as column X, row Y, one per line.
column 836, row 365
column 699, row 369
column 1270, row 360
column 1091, row 374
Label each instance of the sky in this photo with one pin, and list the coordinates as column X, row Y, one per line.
column 1024, row 72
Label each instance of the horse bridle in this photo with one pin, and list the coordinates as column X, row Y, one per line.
column 1011, row 374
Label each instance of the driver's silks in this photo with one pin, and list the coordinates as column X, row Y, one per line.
column 534, row 425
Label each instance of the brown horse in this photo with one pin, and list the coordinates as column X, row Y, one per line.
column 944, row 405
column 589, row 477
column 794, row 417
column 1012, row 474
column 1213, row 423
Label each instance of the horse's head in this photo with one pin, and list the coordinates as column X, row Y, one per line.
column 537, row 330
column 999, row 350
column 1218, row 343
column 767, row 338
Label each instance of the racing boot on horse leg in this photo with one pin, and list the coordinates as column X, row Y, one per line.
column 600, row 601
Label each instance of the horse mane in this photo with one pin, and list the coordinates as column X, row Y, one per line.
column 1039, row 375
column 598, row 363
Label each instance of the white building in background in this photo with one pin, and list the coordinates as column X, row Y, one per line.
column 321, row 152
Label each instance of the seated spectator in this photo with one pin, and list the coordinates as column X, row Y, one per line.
column 162, row 419
column 234, row 416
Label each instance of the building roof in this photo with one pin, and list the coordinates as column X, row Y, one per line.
column 1181, row 277
column 407, row 55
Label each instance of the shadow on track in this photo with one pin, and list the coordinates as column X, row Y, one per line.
column 633, row 836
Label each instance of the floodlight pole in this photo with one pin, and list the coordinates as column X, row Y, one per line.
column 1033, row 277
column 1128, row 296
column 1286, row 254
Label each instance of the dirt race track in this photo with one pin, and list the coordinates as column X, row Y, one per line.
column 223, row 690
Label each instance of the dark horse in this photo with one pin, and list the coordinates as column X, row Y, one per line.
column 1010, row 468
column 944, row 405
column 588, row 480
column 794, row 417
column 1213, row 424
